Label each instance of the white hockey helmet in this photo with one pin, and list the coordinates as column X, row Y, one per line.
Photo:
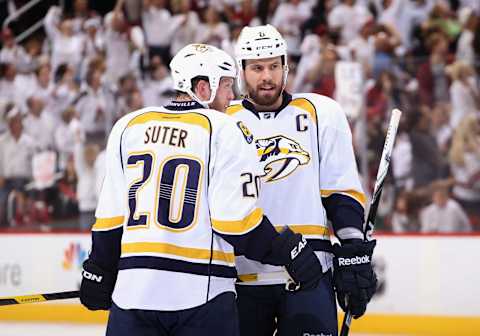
column 205, row 60
column 257, row 43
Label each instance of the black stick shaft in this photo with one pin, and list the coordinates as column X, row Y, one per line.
column 13, row 300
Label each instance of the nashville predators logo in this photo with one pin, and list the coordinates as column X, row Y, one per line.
column 281, row 156
column 201, row 47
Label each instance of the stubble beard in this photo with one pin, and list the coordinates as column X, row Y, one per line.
column 266, row 99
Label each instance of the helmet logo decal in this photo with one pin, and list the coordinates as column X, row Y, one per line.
column 201, row 47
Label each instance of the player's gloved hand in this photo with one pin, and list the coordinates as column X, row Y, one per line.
column 96, row 287
column 298, row 258
column 354, row 279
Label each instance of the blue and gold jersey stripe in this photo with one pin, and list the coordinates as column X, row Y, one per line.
column 186, row 118
column 306, row 229
column 241, row 226
column 179, row 251
column 231, row 110
column 305, row 105
column 172, row 265
column 108, row 223
column 356, row 195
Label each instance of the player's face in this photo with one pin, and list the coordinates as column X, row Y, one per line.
column 264, row 80
column 224, row 94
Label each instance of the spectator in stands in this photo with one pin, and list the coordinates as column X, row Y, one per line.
column 67, row 185
column 65, row 136
column 43, row 84
column 386, row 40
column 156, row 18
column 362, row 48
column 187, row 24
column 157, row 89
column 444, row 215
column 413, row 15
column 10, row 86
column 347, row 18
column 402, row 218
column 117, row 44
column 288, row 19
column 311, row 56
column 431, row 77
column 323, row 75
column 100, row 170
column 465, row 164
column 402, row 158
column 266, row 9
column 67, row 46
column 134, row 101
column 81, row 14
column 65, row 90
column 84, row 160
column 441, row 127
column 469, row 20
column 16, row 150
column 94, row 43
column 428, row 164
column 243, row 13
column 441, row 18
column 94, row 108
column 39, row 124
column 213, row 31
column 126, row 85
column 14, row 53
column 464, row 92
column 380, row 98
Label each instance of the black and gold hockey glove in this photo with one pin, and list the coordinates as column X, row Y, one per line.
column 96, row 287
column 298, row 258
column 354, row 278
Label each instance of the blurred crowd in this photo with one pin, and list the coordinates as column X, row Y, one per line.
column 62, row 89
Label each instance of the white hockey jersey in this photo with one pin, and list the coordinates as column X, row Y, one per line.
column 174, row 177
column 305, row 154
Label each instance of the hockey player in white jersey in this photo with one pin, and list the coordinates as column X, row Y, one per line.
column 172, row 210
column 308, row 174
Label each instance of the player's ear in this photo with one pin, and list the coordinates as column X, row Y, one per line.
column 202, row 90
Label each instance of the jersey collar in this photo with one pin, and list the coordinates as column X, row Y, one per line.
column 286, row 99
column 184, row 105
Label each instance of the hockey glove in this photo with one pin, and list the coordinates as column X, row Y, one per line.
column 354, row 278
column 298, row 258
column 96, row 287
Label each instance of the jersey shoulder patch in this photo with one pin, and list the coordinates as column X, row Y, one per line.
column 245, row 131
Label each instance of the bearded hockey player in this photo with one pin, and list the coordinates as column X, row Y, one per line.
column 308, row 175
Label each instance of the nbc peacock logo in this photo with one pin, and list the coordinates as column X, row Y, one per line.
column 73, row 256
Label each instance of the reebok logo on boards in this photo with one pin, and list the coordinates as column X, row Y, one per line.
column 354, row 261
column 297, row 249
column 91, row 276
column 321, row 334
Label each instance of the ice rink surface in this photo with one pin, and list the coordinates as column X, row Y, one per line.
column 58, row 329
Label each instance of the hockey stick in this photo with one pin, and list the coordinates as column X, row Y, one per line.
column 377, row 192
column 5, row 301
